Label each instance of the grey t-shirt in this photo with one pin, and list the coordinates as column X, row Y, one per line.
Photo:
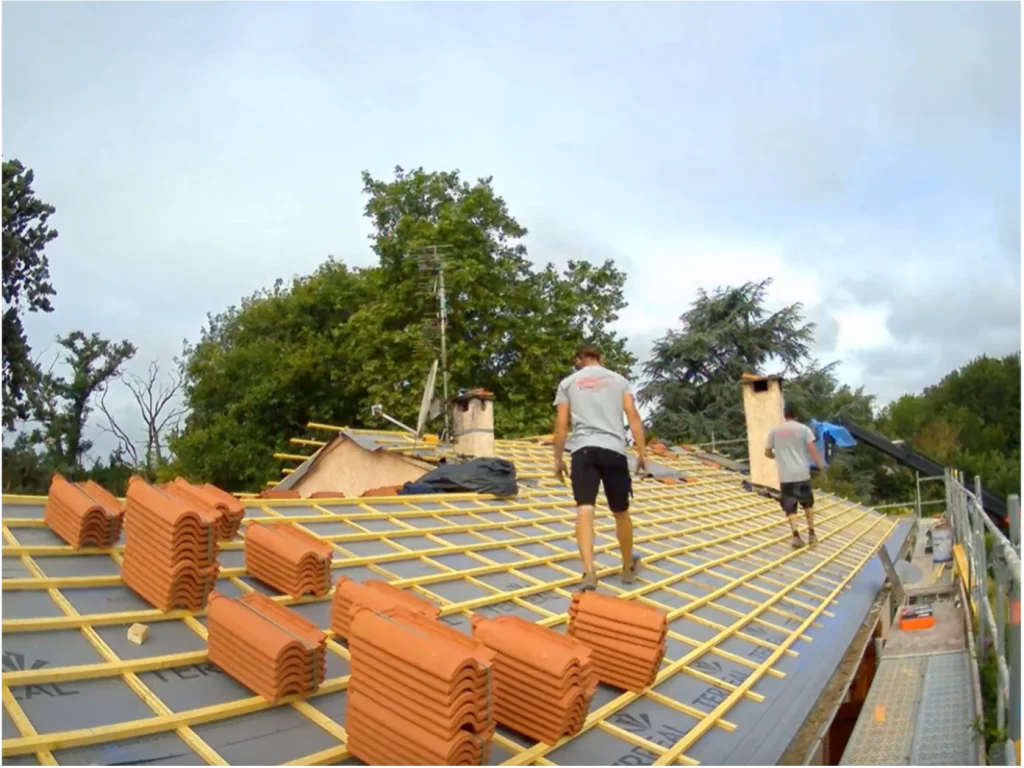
column 594, row 395
column 792, row 458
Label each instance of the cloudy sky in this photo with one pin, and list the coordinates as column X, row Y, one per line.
column 865, row 156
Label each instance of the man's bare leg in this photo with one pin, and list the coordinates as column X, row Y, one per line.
column 809, row 512
column 624, row 533
column 585, row 541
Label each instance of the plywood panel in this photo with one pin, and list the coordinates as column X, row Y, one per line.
column 762, row 405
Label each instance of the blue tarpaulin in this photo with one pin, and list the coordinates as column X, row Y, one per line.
column 829, row 436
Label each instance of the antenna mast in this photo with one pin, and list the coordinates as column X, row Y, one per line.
column 432, row 262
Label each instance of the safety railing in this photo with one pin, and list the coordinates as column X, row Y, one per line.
column 992, row 568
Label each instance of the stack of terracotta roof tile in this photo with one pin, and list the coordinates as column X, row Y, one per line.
column 170, row 556
column 420, row 692
column 376, row 595
column 83, row 513
column 544, row 681
column 626, row 638
column 288, row 559
column 229, row 508
column 264, row 646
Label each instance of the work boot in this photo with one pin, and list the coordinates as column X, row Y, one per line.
column 797, row 541
column 629, row 574
column 811, row 538
column 588, row 583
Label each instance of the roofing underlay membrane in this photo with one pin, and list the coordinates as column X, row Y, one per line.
column 756, row 628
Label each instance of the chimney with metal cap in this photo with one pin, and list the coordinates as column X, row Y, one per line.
column 473, row 423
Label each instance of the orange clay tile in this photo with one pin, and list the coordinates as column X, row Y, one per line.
column 384, row 490
column 288, row 559
column 420, row 692
column 187, row 587
column 272, row 494
column 376, row 595
column 668, row 481
column 544, row 681
column 659, row 449
column 83, row 514
column 265, row 646
column 711, row 464
column 327, row 495
column 170, row 552
column 626, row 638
column 229, row 508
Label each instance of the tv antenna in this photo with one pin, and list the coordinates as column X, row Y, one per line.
column 431, row 262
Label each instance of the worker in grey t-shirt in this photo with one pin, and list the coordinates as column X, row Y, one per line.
column 597, row 402
column 792, row 446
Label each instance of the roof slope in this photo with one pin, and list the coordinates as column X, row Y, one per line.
column 756, row 627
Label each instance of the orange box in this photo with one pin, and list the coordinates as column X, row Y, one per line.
column 925, row 622
column 917, row 618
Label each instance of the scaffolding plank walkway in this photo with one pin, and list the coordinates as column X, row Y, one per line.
column 920, row 711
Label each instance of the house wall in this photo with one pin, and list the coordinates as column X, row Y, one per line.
column 762, row 405
column 352, row 470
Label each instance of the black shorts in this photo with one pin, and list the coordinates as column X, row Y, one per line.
column 797, row 493
column 594, row 466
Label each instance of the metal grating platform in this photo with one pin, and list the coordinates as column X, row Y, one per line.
column 753, row 623
column 884, row 733
column 944, row 725
column 920, row 711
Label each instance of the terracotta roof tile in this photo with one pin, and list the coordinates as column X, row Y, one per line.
column 83, row 514
column 384, row 490
column 376, row 595
column 327, row 495
column 230, row 510
column 265, row 646
column 420, row 692
column 272, row 494
column 288, row 559
column 170, row 553
column 626, row 638
column 544, row 681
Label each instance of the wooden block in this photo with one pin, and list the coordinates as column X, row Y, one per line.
column 137, row 633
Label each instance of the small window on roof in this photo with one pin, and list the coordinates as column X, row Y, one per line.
column 761, row 385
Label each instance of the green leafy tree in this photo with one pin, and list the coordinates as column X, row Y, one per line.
column 693, row 374
column 26, row 284
column 969, row 420
column 328, row 346
column 65, row 403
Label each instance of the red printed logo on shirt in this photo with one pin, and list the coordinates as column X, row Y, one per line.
column 591, row 383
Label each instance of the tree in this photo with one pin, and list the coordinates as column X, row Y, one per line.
column 64, row 404
column 512, row 330
column 26, row 284
column 160, row 414
column 328, row 346
column 693, row 374
column 969, row 420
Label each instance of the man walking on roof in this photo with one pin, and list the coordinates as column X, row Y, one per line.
column 595, row 399
column 792, row 446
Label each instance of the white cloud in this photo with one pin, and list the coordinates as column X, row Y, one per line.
column 870, row 166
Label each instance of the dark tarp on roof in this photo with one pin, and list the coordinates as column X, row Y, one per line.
column 495, row 476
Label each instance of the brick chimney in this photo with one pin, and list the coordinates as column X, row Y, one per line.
column 473, row 423
column 762, row 405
